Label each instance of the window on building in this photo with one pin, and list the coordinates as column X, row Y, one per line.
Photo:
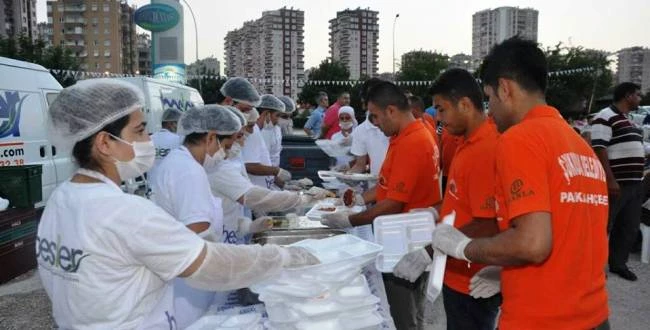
column 96, row 31
column 107, row 42
column 96, row 66
column 96, row 53
column 107, row 53
column 60, row 8
column 60, row 19
column 107, row 20
column 106, row 7
column 107, row 31
column 94, row 7
column 95, row 42
column 107, row 66
column 95, row 20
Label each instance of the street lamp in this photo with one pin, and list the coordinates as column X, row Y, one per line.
column 394, row 21
column 196, row 35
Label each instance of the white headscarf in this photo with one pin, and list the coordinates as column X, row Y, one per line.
column 350, row 111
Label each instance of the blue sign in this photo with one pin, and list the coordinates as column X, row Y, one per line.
column 10, row 106
column 156, row 17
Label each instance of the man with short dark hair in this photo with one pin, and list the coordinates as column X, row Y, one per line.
column 470, row 195
column 331, row 117
column 409, row 179
column 315, row 121
column 619, row 146
column 417, row 109
column 551, row 205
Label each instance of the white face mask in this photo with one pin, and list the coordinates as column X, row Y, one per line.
column 145, row 156
column 210, row 162
column 346, row 124
column 234, row 151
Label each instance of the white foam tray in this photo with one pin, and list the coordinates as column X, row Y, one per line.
column 332, row 148
column 400, row 234
column 316, row 214
column 327, row 176
column 437, row 272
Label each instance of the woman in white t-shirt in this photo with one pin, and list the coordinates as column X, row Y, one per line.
column 105, row 257
column 347, row 123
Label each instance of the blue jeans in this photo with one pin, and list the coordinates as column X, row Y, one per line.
column 467, row 313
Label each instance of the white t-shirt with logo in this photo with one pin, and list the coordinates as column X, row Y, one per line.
column 164, row 141
column 255, row 151
column 368, row 139
column 106, row 258
column 273, row 140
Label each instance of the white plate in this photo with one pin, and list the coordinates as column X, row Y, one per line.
column 400, row 234
column 327, row 176
column 333, row 148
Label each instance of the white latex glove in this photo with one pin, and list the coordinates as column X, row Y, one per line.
column 346, row 142
column 299, row 257
column 431, row 210
column 248, row 226
column 412, row 265
column 283, row 175
column 450, row 241
column 486, row 283
column 4, row 204
column 319, row 193
column 339, row 219
column 356, row 200
column 305, row 182
column 342, row 168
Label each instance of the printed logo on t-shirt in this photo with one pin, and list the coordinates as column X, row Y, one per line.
column 573, row 165
column 453, row 189
column 489, row 204
column 229, row 236
column 162, row 152
column 58, row 256
column 517, row 190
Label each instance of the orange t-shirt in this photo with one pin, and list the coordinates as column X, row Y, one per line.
column 543, row 166
column 470, row 192
column 431, row 128
column 410, row 173
column 448, row 143
column 429, row 119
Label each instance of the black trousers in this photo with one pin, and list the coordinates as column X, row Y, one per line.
column 467, row 313
column 624, row 220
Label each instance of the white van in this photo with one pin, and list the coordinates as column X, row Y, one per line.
column 26, row 90
column 160, row 95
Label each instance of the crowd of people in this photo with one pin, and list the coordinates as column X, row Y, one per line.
column 534, row 202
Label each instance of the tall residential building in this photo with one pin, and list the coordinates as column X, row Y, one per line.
column 208, row 65
column 96, row 33
column 269, row 51
column 634, row 66
column 492, row 26
column 461, row 61
column 353, row 41
column 18, row 17
column 144, row 55
column 45, row 33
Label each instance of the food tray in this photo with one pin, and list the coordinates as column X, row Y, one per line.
column 327, row 176
column 333, row 148
column 400, row 234
column 437, row 272
column 317, row 211
column 355, row 176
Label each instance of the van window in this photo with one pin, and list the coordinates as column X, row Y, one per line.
column 50, row 98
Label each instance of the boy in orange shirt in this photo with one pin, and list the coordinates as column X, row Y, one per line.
column 470, row 193
column 551, row 200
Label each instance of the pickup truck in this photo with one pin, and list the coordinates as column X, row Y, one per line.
column 303, row 158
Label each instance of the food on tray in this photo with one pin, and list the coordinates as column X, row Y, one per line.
column 327, row 209
column 348, row 197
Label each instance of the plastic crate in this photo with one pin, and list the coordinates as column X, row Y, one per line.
column 21, row 185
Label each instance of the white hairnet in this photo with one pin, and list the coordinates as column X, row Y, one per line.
column 238, row 114
column 171, row 115
column 350, row 111
column 209, row 118
column 241, row 90
column 86, row 107
column 252, row 116
column 271, row 102
column 289, row 104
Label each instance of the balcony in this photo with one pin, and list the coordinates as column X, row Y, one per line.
column 75, row 9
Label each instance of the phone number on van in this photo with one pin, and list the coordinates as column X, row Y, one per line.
column 12, row 154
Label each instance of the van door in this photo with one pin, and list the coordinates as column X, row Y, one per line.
column 23, row 134
column 63, row 164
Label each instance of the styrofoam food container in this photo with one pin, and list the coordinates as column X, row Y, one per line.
column 248, row 321
column 327, row 176
column 333, row 148
column 400, row 234
column 315, row 213
column 437, row 272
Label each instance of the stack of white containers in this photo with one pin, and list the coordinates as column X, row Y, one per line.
column 331, row 295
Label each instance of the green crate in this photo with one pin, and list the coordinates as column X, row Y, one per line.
column 21, row 231
column 21, row 185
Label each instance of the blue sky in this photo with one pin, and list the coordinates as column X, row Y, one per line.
column 444, row 26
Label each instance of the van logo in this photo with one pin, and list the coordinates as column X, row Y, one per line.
column 180, row 104
column 10, row 106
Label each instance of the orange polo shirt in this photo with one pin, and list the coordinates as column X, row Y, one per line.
column 543, row 166
column 448, row 143
column 431, row 128
column 411, row 173
column 470, row 192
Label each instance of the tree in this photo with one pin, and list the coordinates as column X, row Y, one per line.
column 420, row 65
column 58, row 59
column 209, row 86
column 328, row 70
column 573, row 93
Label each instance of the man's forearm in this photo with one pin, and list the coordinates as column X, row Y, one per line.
column 481, row 227
column 259, row 169
column 601, row 153
column 384, row 207
column 370, row 196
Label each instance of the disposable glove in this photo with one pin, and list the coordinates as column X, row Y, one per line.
column 486, row 283
column 412, row 265
column 319, row 193
column 450, row 241
column 299, row 257
column 248, row 226
column 339, row 219
column 283, row 175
